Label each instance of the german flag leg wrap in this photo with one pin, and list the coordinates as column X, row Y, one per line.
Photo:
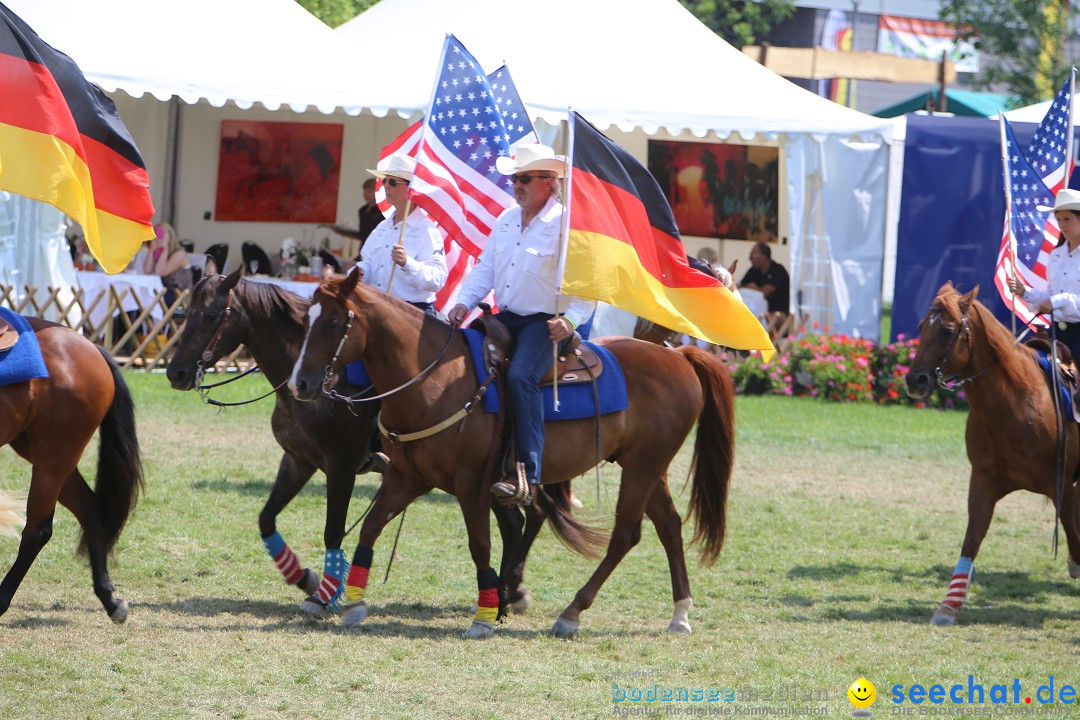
column 284, row 558
column 356, row 584
column 487, row 606
column 960, row 583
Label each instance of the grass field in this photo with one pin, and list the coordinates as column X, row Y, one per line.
column 844, row 524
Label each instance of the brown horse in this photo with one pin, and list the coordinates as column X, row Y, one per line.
column 49, row 421
column 1011, row 429
column 423, row 385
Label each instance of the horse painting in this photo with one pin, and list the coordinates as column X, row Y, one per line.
column 49, row 422
column 326, row 435
column 425, row 372
column 1011, row 429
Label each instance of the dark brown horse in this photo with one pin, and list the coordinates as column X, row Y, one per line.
column 325, row 435
column 1011, row 429
column 668, row 392
column 49, row 421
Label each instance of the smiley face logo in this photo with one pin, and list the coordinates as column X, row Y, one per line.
column 862, row 695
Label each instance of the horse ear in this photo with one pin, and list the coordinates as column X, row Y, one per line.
column 349, row 284
column 967, row 299
column 234, row 277
column 731, row 267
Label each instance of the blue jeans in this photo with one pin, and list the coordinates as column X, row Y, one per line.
column 533, row 356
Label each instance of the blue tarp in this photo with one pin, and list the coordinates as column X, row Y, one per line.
column 952, row 210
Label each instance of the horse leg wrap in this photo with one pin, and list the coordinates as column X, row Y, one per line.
column 332, row 586
column 960, row 583
column 356, row 584
column 286, row 559
column 487, row 606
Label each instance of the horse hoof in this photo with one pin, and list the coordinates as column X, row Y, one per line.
column 120, row 612
column 681, row 627
column 478, row 631
column 944, row 617
column 309, row 582
column 521, row 604
column 354, row 614
column 314, row 608
column 565, row 629
column 1074, row 571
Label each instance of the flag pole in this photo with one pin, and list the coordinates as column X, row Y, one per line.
column 563, row 239
column 400, row 240
column 1008, row 216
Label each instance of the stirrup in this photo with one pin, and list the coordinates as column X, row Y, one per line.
column 515, row 489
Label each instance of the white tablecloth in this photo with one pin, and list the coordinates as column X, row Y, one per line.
column 755, row 301
column 144, row 287
column 303, row 289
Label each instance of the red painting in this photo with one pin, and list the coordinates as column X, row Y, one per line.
column 278, row 171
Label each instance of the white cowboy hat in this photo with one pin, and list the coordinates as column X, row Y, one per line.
column 532, row 156
column 396, row 165
column 1067, row 199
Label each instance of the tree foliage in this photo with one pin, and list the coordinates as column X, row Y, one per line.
column 336, row 12
column 740, row 22
column 1022, row 44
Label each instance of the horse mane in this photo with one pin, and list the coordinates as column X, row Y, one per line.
column 270, row 301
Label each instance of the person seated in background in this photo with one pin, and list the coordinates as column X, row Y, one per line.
column 167, row 259
column 769, row 278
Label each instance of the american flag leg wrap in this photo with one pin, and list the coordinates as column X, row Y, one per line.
column 958, row 586
column 332, row 585
column 356, row 585
column 286, row 559
column 487, row 606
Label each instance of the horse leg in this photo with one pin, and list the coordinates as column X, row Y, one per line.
column 511, row 525
column 292, row 475
column 661, row 510
column 479, row 530
column 40, row 506
column 1070, row 521
column 339, row 487
column 982, row 497
column 77, row 497
column 627, row 532
column 395, row 494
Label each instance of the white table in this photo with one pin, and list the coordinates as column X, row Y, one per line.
column 756, row 301
column 297, row 287
column 128, row 286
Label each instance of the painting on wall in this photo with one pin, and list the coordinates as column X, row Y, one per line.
column 278, row 171
column 719, row 190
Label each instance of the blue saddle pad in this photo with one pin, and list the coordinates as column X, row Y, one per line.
column 356, row 374
column 1066, row 395
column 575, row 401
column 23, row 361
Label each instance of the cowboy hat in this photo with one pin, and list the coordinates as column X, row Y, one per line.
column 532, row 156
column 396, row 165
column 1067, row 199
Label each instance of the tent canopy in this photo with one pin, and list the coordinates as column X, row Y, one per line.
column 645, row 64
column 965, row 103
column 246, row 51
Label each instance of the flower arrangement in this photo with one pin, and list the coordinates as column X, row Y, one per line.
column 841, row 369
column 294, row 257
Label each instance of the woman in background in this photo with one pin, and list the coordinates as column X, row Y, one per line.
column 169, row 261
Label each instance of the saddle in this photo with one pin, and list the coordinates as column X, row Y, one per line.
column 8, row 335
column 1067, row 371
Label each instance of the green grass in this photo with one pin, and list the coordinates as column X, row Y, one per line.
column 844, row 524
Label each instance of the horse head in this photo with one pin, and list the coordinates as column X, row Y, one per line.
column 944, row 341
column 335, row 335
column 210, row 330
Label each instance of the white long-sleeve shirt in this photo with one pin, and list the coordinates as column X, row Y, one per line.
column 424, row 272
column 1063, row 285
column 521, row 267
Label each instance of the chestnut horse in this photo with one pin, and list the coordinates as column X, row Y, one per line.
column 326, row 435
column 1011, row 429
column 425, row 371
column 49, row 422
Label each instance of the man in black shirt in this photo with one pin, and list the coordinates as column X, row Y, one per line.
column 769, row 277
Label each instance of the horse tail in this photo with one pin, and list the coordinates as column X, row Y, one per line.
column 554, row 502
column 714, row 452
column 119, row 471
column 10, row 514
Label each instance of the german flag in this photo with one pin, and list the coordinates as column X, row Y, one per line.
column 62, row 142
column 624, row 248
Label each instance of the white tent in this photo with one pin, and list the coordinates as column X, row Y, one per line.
column 648, row 67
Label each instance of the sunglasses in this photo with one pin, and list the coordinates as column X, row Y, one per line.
column 526, row 179
column 394, row 182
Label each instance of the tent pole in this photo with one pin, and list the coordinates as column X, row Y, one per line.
column 172, row 155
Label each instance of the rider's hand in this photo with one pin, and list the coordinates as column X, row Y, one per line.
column 457, row 313
column 560, row 328
column 397, row 254
column 1016, row 286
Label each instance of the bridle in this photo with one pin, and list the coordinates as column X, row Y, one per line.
column 964, row 328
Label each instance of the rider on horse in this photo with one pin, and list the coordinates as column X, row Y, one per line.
column 520, row 263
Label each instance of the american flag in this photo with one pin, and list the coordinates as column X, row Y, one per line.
column 1047, row 151
column 472, row 120
column 1033, row 235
